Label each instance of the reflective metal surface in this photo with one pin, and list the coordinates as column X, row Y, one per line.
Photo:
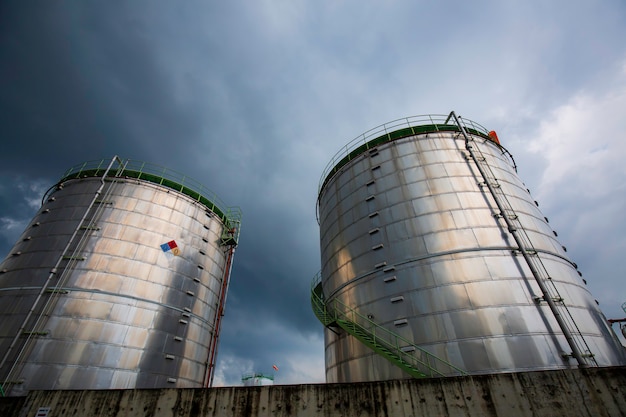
column 119, row 311
column 411, row 240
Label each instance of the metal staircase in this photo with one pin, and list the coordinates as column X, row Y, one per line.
column 412, row 359
column 550, row 293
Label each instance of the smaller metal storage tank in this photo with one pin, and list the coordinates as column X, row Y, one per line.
column 118, row 282
column 436, row 261
column 257, row 379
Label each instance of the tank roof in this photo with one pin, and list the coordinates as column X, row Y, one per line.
column 231, row 216
column 388, row 132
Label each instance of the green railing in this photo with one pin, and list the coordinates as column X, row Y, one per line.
column 231, row 216
column 391, row 131
column 402, row 352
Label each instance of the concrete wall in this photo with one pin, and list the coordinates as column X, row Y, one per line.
column 593, row 392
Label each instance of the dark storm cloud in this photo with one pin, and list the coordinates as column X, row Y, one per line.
column 85, row 80
column 58, row 90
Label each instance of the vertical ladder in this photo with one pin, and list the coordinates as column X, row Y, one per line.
column 33, row 324
column 550, row 293
column 74, row 252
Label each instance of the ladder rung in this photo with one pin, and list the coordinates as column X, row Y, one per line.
column 57, row 291
column 44, row 333
column 89, row 228
column 73, row 258
column 538, row 299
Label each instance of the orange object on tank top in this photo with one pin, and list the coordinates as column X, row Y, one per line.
column 494, row 136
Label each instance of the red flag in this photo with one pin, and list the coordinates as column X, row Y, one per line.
column 275, row 367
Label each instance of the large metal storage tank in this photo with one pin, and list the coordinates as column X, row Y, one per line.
column 436, row 261
column 118, row 282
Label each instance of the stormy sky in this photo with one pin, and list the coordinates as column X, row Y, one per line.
column 253, row 98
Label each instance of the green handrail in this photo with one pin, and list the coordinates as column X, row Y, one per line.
column 390, row 131
column 420, row 363
column 231, row 216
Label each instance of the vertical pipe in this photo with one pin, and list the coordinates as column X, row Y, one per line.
column 210, row 371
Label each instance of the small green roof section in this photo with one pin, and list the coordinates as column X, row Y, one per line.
column 253, row 375
column 388, row 132
column 230, row 216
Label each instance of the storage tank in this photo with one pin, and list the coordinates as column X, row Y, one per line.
column 118, row 282
column 436, row 261
column 257, row 379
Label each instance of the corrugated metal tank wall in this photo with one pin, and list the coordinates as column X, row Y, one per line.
column 410, row 239
column 119, row 310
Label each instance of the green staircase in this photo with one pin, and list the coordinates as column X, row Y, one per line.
column 412, row 359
